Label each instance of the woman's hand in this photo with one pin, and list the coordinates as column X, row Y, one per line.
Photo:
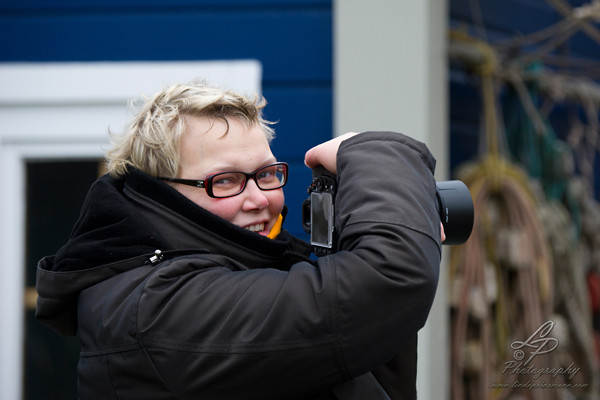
column 325, row 154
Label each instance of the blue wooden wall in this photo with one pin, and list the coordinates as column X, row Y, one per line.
column 291, row 38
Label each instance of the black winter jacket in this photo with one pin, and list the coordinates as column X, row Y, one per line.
column 223, row 313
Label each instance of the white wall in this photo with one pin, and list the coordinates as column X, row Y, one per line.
column 61, row 111
column 390, row 74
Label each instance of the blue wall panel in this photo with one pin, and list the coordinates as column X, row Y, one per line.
column 32, row 6
column 293, row 45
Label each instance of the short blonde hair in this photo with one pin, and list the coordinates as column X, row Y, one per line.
column 151, row 142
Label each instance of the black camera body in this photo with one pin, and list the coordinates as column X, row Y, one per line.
column 318, row 212
column 454, row 204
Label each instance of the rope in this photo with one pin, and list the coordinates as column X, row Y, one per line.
column 517, row 269
column 502, row 283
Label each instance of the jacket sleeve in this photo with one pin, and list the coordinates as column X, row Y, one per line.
column 271, row 332
column 389, row 241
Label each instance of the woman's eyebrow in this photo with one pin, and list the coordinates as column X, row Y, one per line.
column 236, row 167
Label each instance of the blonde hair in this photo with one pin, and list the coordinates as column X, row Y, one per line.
column 151, row 142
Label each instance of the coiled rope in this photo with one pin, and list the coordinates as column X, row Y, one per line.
column 502, row 279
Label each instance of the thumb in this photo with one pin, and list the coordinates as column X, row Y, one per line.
column 321, row 155
column 325, row 154
column 310, row 159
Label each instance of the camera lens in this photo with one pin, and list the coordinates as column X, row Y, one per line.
column 456, row 211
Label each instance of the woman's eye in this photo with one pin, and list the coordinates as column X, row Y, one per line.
column 227, row 179
column 221, row 181
column 266, row 175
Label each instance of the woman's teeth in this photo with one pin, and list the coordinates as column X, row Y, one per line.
column 256, row 228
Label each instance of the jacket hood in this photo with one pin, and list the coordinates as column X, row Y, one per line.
column 123, row 221
column 109, row 229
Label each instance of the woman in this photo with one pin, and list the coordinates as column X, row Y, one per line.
column 181, row 282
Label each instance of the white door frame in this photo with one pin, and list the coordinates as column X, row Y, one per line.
column 58, row 111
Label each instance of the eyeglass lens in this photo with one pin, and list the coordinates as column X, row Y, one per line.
column 231, row 183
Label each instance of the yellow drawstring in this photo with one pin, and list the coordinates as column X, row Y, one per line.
column 276, row 228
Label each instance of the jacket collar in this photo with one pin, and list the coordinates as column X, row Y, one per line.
column 186, row 225
column 137, row 214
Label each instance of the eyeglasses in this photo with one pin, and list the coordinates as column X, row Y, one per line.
column 229, row 184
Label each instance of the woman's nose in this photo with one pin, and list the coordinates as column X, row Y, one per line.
column 254, row 197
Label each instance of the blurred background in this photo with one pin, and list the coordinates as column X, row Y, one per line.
column 505, row 94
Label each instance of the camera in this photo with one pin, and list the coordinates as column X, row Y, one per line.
column 454, row 204
column 318, row 212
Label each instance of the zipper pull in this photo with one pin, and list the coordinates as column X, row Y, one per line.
column 157, row 257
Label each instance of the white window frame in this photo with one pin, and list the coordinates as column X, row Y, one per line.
column 59, row 111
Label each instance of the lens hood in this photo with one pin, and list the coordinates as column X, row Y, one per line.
column 456, row 211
